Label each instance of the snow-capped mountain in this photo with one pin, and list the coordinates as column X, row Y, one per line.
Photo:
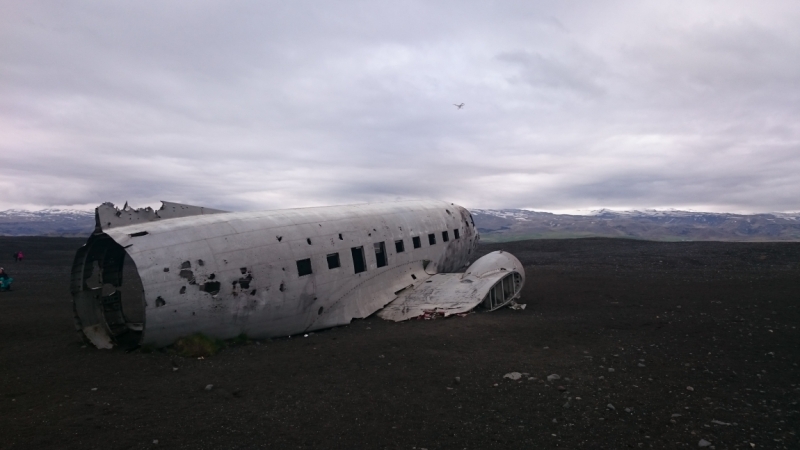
column 511, row 224
column 46, row 222
column 671, row 225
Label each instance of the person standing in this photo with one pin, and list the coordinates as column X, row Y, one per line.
column 19, row 256
column 5, row 280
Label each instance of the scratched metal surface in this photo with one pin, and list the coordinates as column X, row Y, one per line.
column 224, row 274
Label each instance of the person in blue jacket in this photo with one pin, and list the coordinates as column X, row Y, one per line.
column 5, row 280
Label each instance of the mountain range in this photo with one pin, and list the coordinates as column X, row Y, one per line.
column 47, row 222
column 664, row 225
column 497, row 225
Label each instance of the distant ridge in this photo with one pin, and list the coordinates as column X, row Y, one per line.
column 47, row 222
column 497, row 225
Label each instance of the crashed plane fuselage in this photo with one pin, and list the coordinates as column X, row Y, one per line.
column 278, row 273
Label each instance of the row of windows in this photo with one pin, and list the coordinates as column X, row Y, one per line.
column 357, row 253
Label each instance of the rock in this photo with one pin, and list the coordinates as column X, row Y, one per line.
column 611, row 407
column 719, row 422
column 561, row 388
column 610, row 369
column 689, row 388
column 676, row 415
column 517, row 306
column 555, row 420
column 567, row 405
column 627, row 410
column 554, row 376
column 155, row 441
column 458, row 380
column 601, row 377
column 513, row 376
column 209, row 387
column 704, row 443
column 640, row 365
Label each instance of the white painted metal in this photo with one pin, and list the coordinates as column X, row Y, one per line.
column 110, row 217
column 455, row 293
column 224, row 274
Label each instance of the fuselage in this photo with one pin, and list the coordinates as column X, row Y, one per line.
column 272, row 273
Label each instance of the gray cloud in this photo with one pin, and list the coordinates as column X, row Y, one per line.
column 258, row 105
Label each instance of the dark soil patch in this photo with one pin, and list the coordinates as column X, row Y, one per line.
column 720, row 318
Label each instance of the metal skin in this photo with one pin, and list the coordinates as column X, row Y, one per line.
column 225, row 274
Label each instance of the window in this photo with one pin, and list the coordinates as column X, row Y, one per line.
column 380, row 253
column 456, row 234
column 333, row 261
column 432, row 239
column 304, row 267
column 417, row 242
column 445, row 237
column 358, row 259
column 399, row 246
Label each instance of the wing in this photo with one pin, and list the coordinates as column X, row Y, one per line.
column 491, row 282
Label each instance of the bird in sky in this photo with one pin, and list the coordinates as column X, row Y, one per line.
column 458, row 106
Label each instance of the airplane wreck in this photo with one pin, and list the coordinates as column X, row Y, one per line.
column 149, row 277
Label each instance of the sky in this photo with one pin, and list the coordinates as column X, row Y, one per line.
column 256, row 105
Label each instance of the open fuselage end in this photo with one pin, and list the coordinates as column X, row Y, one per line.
column 151, row 277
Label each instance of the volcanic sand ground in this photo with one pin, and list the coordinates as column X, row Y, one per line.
column 720, row 318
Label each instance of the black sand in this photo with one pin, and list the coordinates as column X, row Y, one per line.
column 720, row 318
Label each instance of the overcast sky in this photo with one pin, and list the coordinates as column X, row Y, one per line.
column 260, row 105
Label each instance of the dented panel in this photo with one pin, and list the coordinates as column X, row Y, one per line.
column 108, row 216
column 454, row 293
column 268, row 273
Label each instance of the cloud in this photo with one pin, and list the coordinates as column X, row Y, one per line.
column 258, row 105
